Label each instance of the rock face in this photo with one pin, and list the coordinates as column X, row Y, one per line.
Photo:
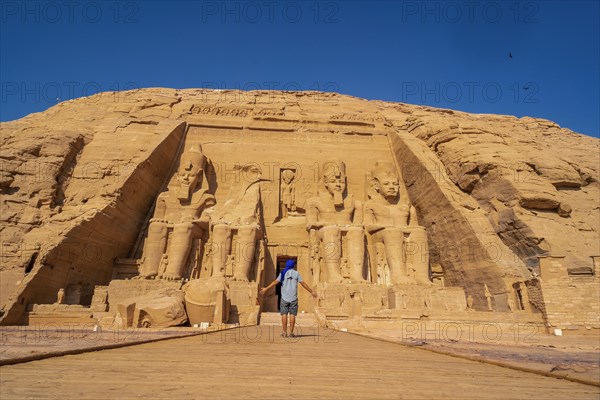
column 79, row 185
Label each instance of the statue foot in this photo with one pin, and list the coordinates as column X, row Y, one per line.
column 170, row 277
column 144, row 277
column 357, row 280
column 240, row 278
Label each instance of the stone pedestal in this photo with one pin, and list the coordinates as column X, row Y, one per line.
column 344, row 300
column 418, row 298
column 243, row 297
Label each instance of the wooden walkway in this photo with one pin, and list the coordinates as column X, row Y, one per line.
column 257, row 363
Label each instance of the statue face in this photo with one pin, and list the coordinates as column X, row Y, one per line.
column 188, row 173
column 387, row 185
column 335, row 184
column 252, row 173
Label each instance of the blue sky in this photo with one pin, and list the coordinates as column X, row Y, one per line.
column 449, row 54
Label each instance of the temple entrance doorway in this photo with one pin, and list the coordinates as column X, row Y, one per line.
column 280, row 267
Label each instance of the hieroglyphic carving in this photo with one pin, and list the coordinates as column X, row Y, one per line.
column 220, row 111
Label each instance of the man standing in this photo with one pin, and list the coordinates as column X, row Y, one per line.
column 289, row 278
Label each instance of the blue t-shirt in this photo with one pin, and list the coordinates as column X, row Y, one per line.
column 289, row 288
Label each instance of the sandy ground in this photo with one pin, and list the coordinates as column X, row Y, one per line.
column 27, row 342
column 576, row 357
column 256, row 362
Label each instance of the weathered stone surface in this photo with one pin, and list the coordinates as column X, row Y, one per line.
column 79, row 183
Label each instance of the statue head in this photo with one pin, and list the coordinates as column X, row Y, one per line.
column 189, row 174
column 385, row 181
column 334, row 180
column 249, row 173
column 288, row 175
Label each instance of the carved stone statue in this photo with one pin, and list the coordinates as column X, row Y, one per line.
column 239, row 215
column 470, row 303
column 178, row 214
column 488, row 296
column 331, row 215
column 288, row 192
column 60, row 297
column 392, row 221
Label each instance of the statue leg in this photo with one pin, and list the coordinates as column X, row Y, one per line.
column 179, row 251
column 332, row 252
column 417, row 254
column 247, row 245
column 393, row 239
column 355, row 248
column 154, row 248
column 221, row 247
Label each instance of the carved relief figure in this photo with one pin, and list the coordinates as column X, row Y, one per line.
column 333, row 214
column 178, row 216
column 392, row 221
column 240, row 215
column 288, row 192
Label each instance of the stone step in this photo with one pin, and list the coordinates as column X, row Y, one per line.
column 274, row 318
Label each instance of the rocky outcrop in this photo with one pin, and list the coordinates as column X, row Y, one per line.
column 77, row 182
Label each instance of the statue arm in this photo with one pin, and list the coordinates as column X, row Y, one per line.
column 413, row 221
column 161, row 208
column 369, row 220
column 358, row 213
column 312, row 215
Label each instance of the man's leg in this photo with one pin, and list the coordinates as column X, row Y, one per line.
column 292, row 323
column 293, row 311
column 284, row 324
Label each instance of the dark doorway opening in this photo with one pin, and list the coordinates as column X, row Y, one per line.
column 280, row 267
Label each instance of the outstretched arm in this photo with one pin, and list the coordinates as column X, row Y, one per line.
column 305, row 286
column 271, row 285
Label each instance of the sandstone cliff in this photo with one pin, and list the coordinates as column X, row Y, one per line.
column 494, row 192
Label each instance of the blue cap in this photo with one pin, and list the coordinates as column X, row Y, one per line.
column 290, row 263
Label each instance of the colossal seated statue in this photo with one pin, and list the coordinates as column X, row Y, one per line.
column 178, row 220
column 392, row 224
column 239, row 215
column 331, row 216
